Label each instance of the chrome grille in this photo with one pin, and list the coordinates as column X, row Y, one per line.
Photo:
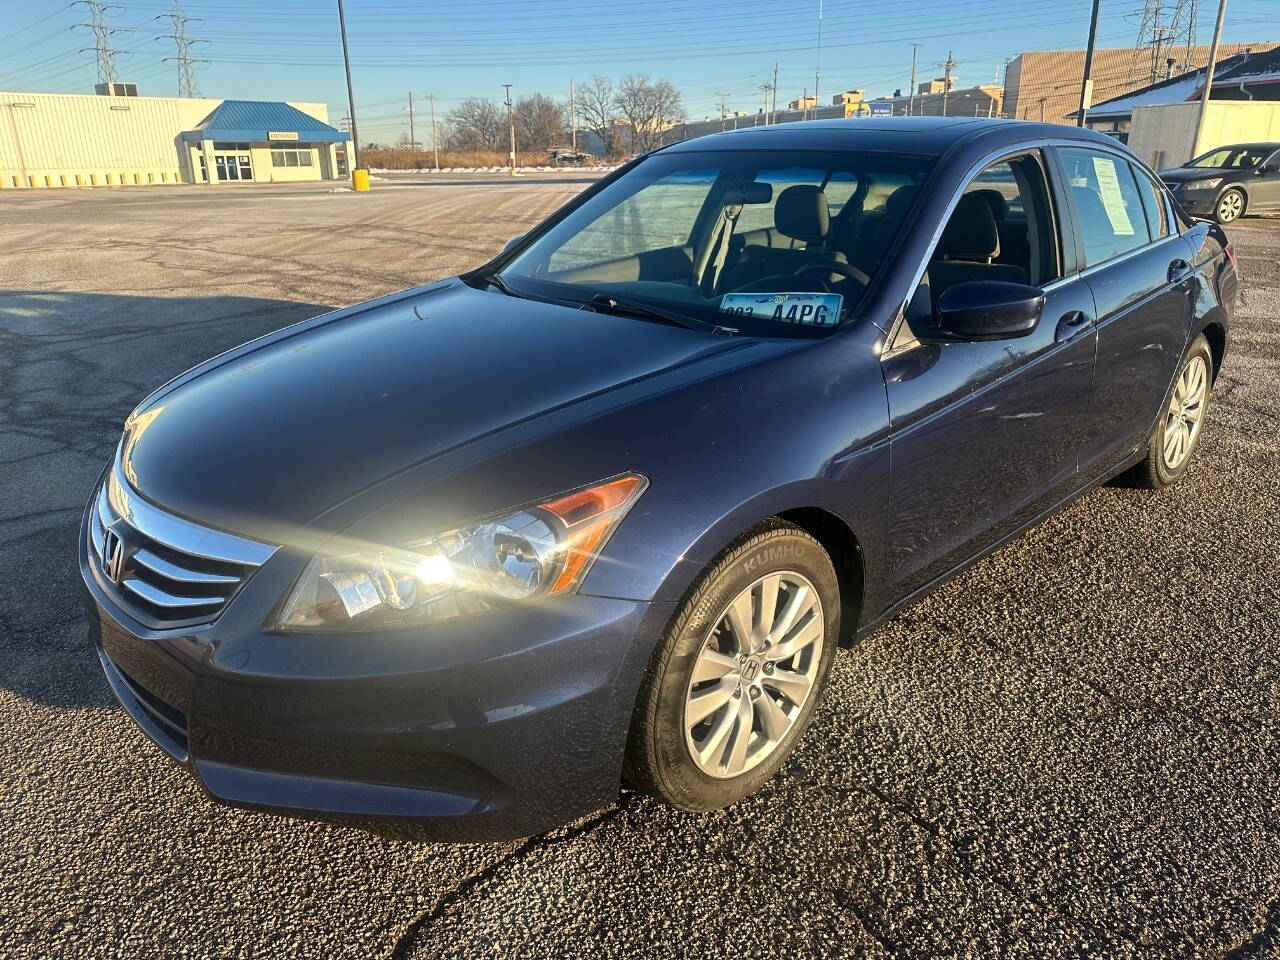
column 166, row 571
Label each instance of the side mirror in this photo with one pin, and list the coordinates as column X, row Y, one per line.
column 512, row 242
column 988, row 310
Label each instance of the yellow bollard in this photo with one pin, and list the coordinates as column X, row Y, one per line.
column 360, row 179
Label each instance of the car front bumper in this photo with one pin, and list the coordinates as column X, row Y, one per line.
column 485, row 728
column 1200, row 203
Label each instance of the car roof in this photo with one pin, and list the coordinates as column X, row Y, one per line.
column 1258, row 145
column 912, row 135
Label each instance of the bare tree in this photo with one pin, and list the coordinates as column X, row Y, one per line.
column 649, row 108
column 477, row 124
column 540, row 122
column 597, row 111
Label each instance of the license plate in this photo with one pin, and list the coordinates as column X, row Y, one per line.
column 807, row 309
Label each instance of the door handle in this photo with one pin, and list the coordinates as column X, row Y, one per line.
column 1179, row 270
column 1071, row 325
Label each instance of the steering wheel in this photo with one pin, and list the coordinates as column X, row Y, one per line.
column 847, row 270
column 784, row 281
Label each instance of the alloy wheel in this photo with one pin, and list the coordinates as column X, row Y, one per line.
column 1230, row 206
column 753, row 675
column 1185, row 413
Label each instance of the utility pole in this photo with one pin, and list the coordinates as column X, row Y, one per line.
column 765, row 112
column 723, row 109
column 773, row 114
column 947, row 66
column 817, row 72
column 183, row 44
column 1086, row 87
column 804, row 102
column 511, row 126
column 911, row 93
column 573, row 118
column 102, row 34
column 413, row 140
column 435, row 144
column 1208, row 74
column 351, row 97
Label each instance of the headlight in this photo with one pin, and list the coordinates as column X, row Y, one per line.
column 1202, row 184
column 540, row 549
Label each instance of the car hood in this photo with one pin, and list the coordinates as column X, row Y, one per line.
column 269, row 437
column 1185, row 174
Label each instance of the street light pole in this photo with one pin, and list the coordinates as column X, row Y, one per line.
column 351, row 97
column 511, row 126
column 435, row 144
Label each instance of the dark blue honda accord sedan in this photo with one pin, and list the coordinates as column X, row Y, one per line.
column 458, row 562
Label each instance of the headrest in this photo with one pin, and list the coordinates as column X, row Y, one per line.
column 899, row 202
column 1090, row 205
column 971, row 232
column 996, row 200
column 801, row 213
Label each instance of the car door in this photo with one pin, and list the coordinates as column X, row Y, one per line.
column 1264, row 192
column 1137, row 269
column 985, row 434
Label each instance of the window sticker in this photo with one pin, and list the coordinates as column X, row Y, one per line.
column 1112, row 201
column 807, row 309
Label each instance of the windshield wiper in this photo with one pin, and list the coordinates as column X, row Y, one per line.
column 495, row 281
column 608, row 303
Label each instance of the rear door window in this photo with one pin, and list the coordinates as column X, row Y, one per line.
column 1107, row 203
column 759, row 216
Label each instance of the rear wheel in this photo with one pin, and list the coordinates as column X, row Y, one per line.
column 734, row 682
column 1177, row 431
column 1230, row 206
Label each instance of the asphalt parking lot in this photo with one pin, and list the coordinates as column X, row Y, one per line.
column 1072, row 750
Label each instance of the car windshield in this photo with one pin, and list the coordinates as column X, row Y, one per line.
column 1240, row 158
column 766, row 243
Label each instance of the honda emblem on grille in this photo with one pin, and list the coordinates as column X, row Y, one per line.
column 112, row 555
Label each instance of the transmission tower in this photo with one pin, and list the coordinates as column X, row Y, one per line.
column 1164, row 27
column 102, row 34
column 182, row 48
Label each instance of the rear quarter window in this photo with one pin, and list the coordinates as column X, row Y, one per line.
column 1153, row 205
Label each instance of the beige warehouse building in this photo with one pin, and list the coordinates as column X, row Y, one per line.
column 1045, row 84
column 74, row 140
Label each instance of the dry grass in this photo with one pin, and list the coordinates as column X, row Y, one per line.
column 405, row 158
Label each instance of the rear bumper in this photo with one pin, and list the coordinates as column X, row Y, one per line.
column 502, row 726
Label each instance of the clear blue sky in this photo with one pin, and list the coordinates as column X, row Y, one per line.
column 459, row 48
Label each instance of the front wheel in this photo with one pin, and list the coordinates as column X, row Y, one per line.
column 1176, row 433
column 1230, row 206
column 735, row 679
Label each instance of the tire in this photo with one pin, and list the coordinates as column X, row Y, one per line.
column 737, row 758
column 1230, row 206
column 1157, row 470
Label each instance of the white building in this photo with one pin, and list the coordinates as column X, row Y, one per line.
column 74, row 140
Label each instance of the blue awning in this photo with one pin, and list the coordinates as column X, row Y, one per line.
column 259, row 121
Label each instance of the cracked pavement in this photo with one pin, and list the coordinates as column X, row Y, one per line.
column 1071, row 750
